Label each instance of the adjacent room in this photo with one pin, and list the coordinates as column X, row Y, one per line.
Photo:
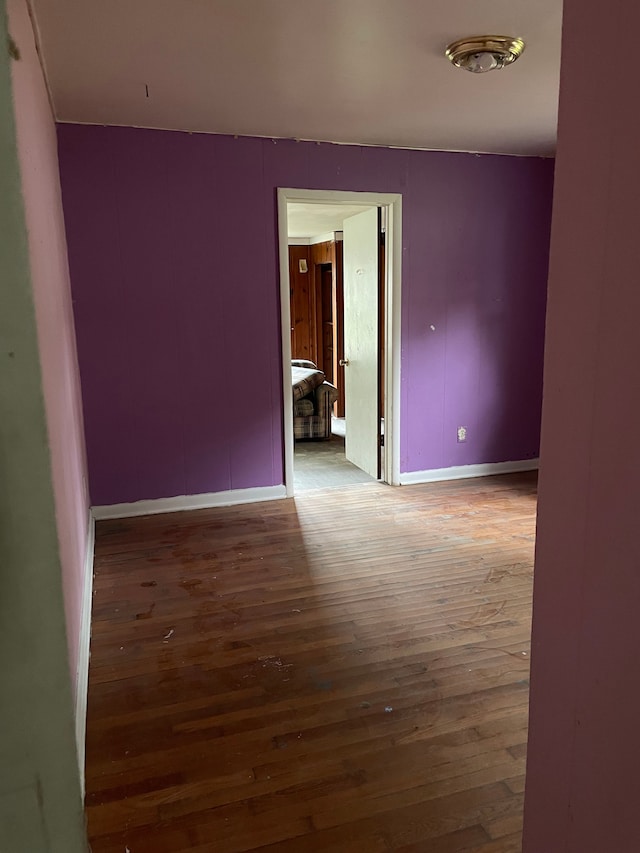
column 326, row 349
column 286, row 343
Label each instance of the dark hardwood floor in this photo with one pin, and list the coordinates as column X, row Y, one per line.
column 346, row 671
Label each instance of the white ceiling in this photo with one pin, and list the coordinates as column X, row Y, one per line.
column 313, row 220
column 357, row 71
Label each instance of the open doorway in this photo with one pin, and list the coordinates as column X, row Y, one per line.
column 340, row 288
column 319, row 367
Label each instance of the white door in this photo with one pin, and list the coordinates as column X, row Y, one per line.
column 360, row 268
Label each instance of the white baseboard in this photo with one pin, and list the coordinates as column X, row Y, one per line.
column 82, row 675
column 462, row 472
column 184, row 502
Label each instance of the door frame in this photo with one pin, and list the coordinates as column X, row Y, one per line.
column 392, row 204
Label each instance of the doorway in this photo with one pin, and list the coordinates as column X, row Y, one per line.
column 369, row 361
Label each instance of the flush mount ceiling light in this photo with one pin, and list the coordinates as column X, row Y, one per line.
column 484, row 53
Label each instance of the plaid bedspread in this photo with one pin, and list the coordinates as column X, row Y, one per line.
column 304, row 380
column 322, row 396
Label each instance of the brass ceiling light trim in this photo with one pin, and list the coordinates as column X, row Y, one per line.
column 479, row 54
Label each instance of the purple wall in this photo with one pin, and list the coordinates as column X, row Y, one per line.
column 37, row 150
column 173, row 250
column 584, row 739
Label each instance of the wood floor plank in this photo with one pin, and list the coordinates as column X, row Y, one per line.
column 346, row 671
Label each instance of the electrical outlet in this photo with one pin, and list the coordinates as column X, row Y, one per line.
column 462, row 434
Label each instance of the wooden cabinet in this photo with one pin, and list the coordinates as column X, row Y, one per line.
column 303, row 338
column 316, row 310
